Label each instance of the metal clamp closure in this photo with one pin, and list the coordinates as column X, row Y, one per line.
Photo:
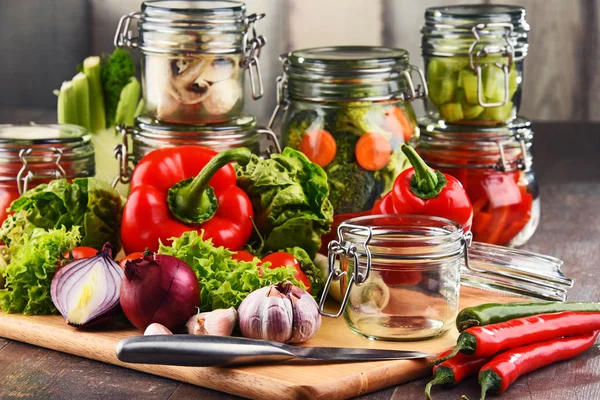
column 474, row 57
column 123, row 157
column 421, row 90
column 251, row 46
column 521, row 163
column 340, row 248
column 282, row 103
column 124, row 36
column 275, row 147
column 24, row 176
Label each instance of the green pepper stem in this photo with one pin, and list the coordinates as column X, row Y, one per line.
column 426, row 183
column 441, row 376
column 193, row 200
column 489, row 380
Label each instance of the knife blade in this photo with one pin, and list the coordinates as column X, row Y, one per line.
column 221, row 351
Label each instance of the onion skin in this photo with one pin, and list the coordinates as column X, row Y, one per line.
column 159, row 289
column 64, row 281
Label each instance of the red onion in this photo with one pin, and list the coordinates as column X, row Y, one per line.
column 159, row 289
column 86, row 291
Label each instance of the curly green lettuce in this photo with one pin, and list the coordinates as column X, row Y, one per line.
column 31, row 259
column 224, row 282
column 290, row 198
column 88, row 203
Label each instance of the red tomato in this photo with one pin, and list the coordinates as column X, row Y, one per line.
column 81, row 252
column 283, row 259
column 78, row 253
column 132, row 256
column 242, row 255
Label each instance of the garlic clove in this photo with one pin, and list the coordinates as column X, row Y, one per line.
column 306, row 321
column 220, row 322
column 157, row 329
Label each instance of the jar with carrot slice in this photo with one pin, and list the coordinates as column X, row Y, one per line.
column 348, row 110
column 494, row 165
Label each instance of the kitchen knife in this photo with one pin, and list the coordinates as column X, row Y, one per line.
column 220, row 351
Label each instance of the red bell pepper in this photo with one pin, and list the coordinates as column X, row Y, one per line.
column 422, row 190
column 174, row 190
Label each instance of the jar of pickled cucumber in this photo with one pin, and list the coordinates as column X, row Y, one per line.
column 34, row 154
column 494, row 164
column 148, row 134
column 194, row 55
column 348, row 109
column 473, row 58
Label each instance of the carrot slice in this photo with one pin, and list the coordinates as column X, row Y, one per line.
column 319, row 146
column 373, row 151
column 398, row 124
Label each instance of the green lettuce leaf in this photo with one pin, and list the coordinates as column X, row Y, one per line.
column 313, row 272
column 224, row 282
column 289, row 194
column 34, row 254
column 91, row 204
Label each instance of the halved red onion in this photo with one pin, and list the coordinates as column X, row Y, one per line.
column 86, row 291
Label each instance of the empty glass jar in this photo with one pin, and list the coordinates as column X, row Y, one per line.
column 194, row 55
column 400, row 275
column 473, row 58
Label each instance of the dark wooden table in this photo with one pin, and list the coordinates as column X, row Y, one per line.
column 567, row 162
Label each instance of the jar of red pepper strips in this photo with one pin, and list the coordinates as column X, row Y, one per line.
column 494, row 164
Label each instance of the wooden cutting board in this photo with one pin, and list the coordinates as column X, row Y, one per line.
column 288, row 380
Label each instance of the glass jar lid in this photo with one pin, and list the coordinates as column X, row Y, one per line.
column 349, row 73
column 458, row 30
column 150, row 134
column 192, row 10
column 45, row 152
column 500, row 147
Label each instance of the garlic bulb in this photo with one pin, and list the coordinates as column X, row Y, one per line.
column 157, row 329
column 217, row 322
column 282, row 313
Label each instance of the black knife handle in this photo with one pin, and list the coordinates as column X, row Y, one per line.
column 199, row 351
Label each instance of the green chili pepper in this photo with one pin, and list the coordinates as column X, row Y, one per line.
column 493, row 313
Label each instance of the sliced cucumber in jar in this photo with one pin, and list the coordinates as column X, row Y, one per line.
column 452, row 112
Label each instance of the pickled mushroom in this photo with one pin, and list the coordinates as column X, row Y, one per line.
column 222, row 97
column 221, row 69
column 186, row 84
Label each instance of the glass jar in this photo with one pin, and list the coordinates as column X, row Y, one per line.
column 401, row 274
column 148, row 134
column 473, row 57
column 348, row 109
column 194, row 53
column 494, row 165
column 35, row 154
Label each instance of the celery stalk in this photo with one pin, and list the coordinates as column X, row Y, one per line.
column 128, row 102
column 82, row 100
column 67, row 104
column 91, row 69
column 140, row 109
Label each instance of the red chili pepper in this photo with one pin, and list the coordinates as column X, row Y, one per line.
column 277, row 260
column 484, row 341
column 454, row 370
column 422, row 190
column 174, row 190
column 498, row 374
